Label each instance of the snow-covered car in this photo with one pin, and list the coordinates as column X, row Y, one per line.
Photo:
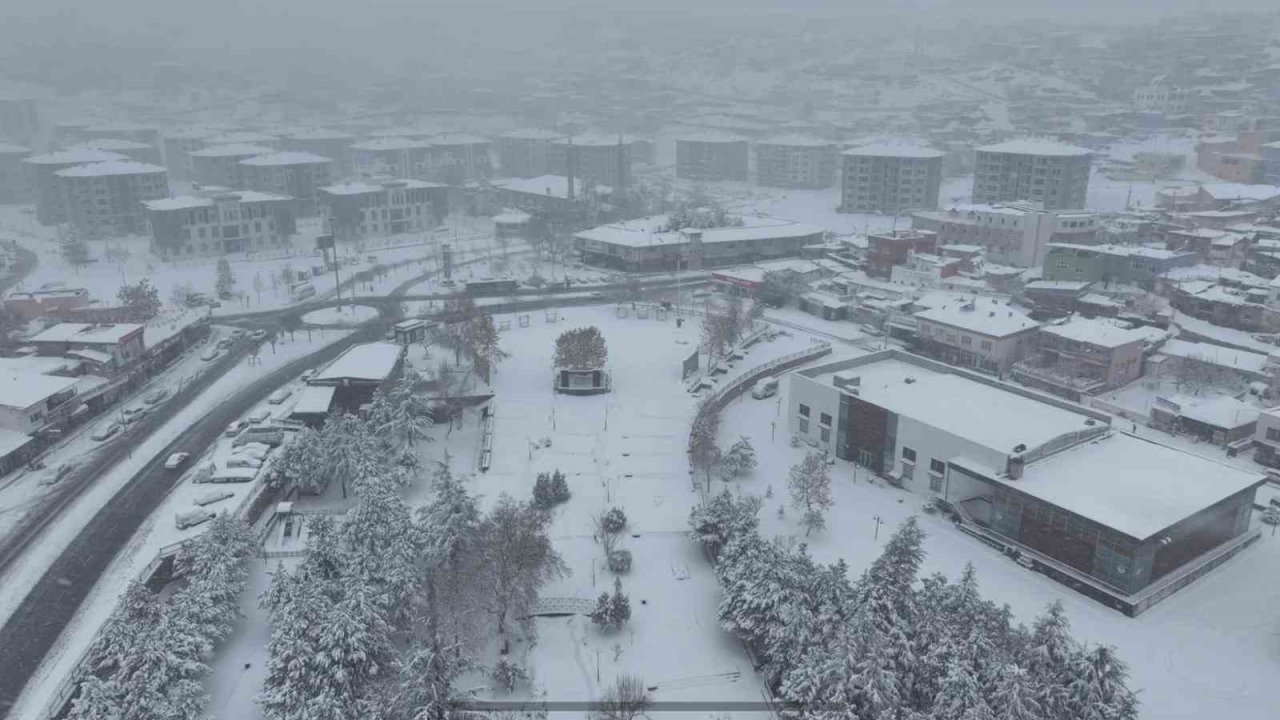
column 105, row 432
column 156, row 396
column 209, row 355
column 174, row 461
column 234, row 428
column 241, row 461
column 193, row 518
column 279, row 396
column 259, row 416
column 259, row 335
column 134, row 413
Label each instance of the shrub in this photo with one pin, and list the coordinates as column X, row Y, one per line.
column 507, row 674
column 620, row 561
column 614, row 521
column 550, row 490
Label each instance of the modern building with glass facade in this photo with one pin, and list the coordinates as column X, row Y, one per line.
column 1122, row 519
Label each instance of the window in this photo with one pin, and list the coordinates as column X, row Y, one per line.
column 937, row 466
column 1273, row 434
column 804, row 410
column 824, row 419
column 825, row 433
column 908, row 454
column 986, row 345
column 804, row 426
column 935, row 483
column 966, row 340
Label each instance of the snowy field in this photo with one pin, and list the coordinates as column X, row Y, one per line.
column 157, row 532
column 1208, row 651
column 345, row 315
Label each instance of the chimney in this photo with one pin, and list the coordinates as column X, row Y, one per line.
column 1016, row 465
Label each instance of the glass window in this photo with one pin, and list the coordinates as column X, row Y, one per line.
column 937, row 466
column 804, row 410
column 935, row 483
column 824, row 419
column 908, row 454
column 804, row 426
column 1273, row 433
column 826, row 434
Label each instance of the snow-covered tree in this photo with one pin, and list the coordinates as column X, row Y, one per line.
column 626, row 699
column 703, row 451
column 401, row 417
column 143, row 296
column 226, row 281
column 1051, row 659
column 611, row 611
column 483, row 345
column 550, row 489
column 1015, row 695
column 581, row 348
column 1099, row 690
column 738, row 460
column 518, row 559
column 810, row 486
column 74, row 247
column 508, row 674
column 722, row 518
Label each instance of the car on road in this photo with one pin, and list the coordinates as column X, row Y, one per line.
column 234, row 428
column 224, row 343
column 279, row 396
column 174, row 461
column 448, row 282
column 134, row 413
column 259, row 417
column 237, row 334
column 105, row 432
column 209, row 355
column 259, row 335
column 156, row 396
column 702, row 293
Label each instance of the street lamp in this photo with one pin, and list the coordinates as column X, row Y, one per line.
column 878, row 522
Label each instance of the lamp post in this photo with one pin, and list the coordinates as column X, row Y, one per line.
column 878, row 521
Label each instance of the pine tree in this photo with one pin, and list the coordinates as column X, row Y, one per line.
column 226, row 281
column 722, row 518
column 960, row 697
column 1015, row 696
column 1099, row 690
column 810, row 485
column 619, row 605
column 1051, row 659
column 739, row 460
column 75, row 249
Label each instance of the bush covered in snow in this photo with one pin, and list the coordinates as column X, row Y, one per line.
column 620, row 561
column 614, row 521
column 612, row 611
column 550, row 489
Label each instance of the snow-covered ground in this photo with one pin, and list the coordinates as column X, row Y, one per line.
column 1208, row 651
column 157, row 532
column 345, row 315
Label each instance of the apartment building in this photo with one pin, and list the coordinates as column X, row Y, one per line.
column 711, row 156
column 132, row 149
column 178, row 144
column 795, row 161
column 890, row 178
column 105, row 199
column 15, row 180
column 226, row 222
column 1050, row 173
column 391, row 156
column 1017, row 234
column 295, row 174
column 332, row 144
column 527, row 153
column 459, row 158
column 219, row 165
column 358, row 210
column 19, row 119
column 42, row 171
column 982, row 333
column 599, row 159
column 1107, row 263
column 1082, row 357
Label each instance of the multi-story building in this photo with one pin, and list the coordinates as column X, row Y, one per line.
column 295, row 174
column 598, row 159
column 890, row 178
column 19, row 119
column 1227, row 306
column 104, row 199
column 132, row 149
column 711, row 156
column 145, row 134
column 1016, row 234
column 980, row 332
column 219, row 165
column 885, row 250
column 1050, row 173
column 227, row 222
column 110, row 347
column 551, row 194
column 358, row 210
column 1031, row 473
column 43, row 169
column 178, row 146
column 459, row 158
column 643, row 245
column 1082, row 357
column 527, row 153
column 243, row 137
column 15, row 181
column 31, row 402
column 1163, row 96
column 1266, row 438
column 1121, row 264
column 332, row 144
column 391, row 156
column 795, row 161
column 1270, row 154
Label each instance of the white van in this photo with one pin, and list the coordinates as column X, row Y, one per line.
column 768, row 387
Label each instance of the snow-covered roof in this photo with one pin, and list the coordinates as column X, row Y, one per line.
column 390, row 143
column 190, row 202
column 532, row 134
column 1123, row 250
column 645, row 232
column 512, row 217
column 797, row 141
column 190, row 133
column 1095, row 332
column 318, row 134
column 232, row 150
column 112, row 145
column 457, row 139
column 244, row 137
column 1221, row 411
column 1036, row 146
column 42, row 364
column 11, row 442
column 110, row 168
column 364, row 188
column 1241, row 191
column 1075, row 285
column 709, row 136
column 986, row 316
column 594, row 140
column 373, row 361
column 285, row 158
column 550, row 185
column 1131, row 485
column 75, row 156
column 1202, row 271
column 22, row 390
column 1226, row 357
column 105, row 334
column 314, row 400
column 903, row 150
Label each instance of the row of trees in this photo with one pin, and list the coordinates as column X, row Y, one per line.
column 889, row 645
column 723, row 327
column 151, row 656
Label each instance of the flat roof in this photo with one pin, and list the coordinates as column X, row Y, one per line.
column 1056, row 284
column 371, row 361
column 903, row 150
column 231, row 150
column 532, row 134
column 986, row 414
column 1216, row 355
column 11, row 149
column 245, row 136
column 110, row 168
column 190, row 202
column 988, row 317
column 1134, row 486
column 105, row 334
column 457, row 138
column 21, row 390
column 797, row 141
column 40, row 364
column 112, row 145
column 1124, row 250
column 645, row 232
column 1095, row 331
column 364, row 188
column 285, row 158
column 710, row 136
column 314, row 400
column 11, row 442
column 390, row 143
column 1036, row 146
column 318, row 134
column 549, row 185
column 74, row 156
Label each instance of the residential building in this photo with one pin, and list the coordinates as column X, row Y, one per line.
column 15, row 181
column 929, row 270
column 332, row 144
column 1053, row 298
column 889, row 179
column 1230, row 307
column 121, row 131
column 1047, row 478
column 1163, row 96
column 1210, row 364
column 458, row 158
column 31, row 403
column 1121, row 264
column 1082, row 357
column 549, row 193
column 51, row 302
column 1050, row 173
column 795, row 161
column 219, row 165
column 527, row 153
column 105, row 199
column 358, row 210
column 244, row 137
column 1016, row 234
column 885, row 250
column 1266, row 438
column 643, row 245
column 19, row 119
column 599, row 159
column 981, row 333
column 1219, row 196
column 42, row 169
column 1270, row 154
column 1218, row 419
column 178, row 145
column 295, row 174
column 711, row 156
column 222, row 223
column 110, row 348
column 132, row 149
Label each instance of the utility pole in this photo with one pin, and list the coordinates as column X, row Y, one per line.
column 878, row 521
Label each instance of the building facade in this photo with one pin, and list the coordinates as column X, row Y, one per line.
column 19, row 119
column 110, row 348
column 1050, row 173
column 219, row 165
column 527, row 153
column 459, row 158
column 980, row 333
column 887, row 250
column 643, row 246
column 295, row 174
column 105, row 199
column 1081, row 358
column 132, row 149
column 228, row 222
column 178, row 144
column 332, row 144
column 712, row 157
column 1016, row 234
column 354, row 211
column 1122, row 264
column 596, row 159
column 29, row 305
column 391, row 156
column 890, row 179
column 42, row 171
column 795, row 162
column 15, row 181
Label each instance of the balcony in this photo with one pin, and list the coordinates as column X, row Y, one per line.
column 1059, row 378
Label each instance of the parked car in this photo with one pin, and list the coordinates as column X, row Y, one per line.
column 259, row 416
column 241, row 461
column 174, row 461
column 279, row 396
column 193, row 518
column 234, row 428
column 768, row 387
column 209, row 355
column 306, row 375
column 134, row 413
column 224, row 343
column 259, row 335
column 261, row 434
column 105, row 432
column 156, row 396
column 237, row 334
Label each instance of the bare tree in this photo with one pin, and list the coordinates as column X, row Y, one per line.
column 626, row 699
column 518, row 559
column 810, row 485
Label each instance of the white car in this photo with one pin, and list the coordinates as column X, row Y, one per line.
column 134, row 414
column 105, row 432
column 209, row 355
column 174, row 461
column 258, row 417
column 279, row 396
column 234, row 428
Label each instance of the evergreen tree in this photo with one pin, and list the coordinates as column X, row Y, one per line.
column 739, row 460
column 1051, row 660
column 75, row 249
column 226, row 281
column 143, row 296
column 1015, row 696
column 1099, row 690
column 960, row 697
column 722, row 518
